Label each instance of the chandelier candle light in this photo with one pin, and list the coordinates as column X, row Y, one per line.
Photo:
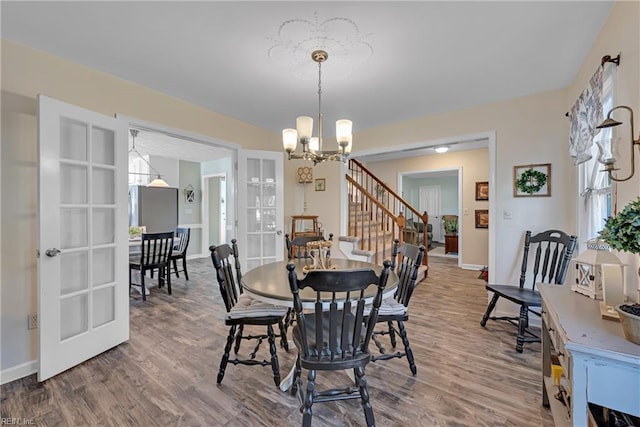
column 312, row 146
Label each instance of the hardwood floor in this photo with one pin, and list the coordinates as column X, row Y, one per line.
column 166, row 373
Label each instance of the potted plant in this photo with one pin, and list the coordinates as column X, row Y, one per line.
column 450, row 225
column 135, row 233
column 622, row 233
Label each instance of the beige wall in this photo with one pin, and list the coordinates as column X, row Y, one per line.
column 474, row 242
column 29, row 72
column 530, row 129
column 25, row 74
column 325, row 204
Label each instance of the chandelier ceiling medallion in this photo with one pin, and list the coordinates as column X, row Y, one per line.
column 312, row 149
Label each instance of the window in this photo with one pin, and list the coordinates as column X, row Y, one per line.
column 595, row 202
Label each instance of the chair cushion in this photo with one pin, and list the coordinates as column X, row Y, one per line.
column 389, row 307
column 250, row 307
column 516, row 294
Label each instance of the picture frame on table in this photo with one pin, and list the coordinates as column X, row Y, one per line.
column 532, row 180
column 482, row 190
column 320, row 184
column 482, row 218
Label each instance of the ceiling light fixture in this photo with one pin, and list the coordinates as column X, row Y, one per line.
column 608, row 156
column 157, row 181
column 312, row 146
column 442, row 149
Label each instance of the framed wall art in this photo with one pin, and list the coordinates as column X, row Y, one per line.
column 189, row 194
column 320, row 184
column 532, row 180
column 482, row 191
column 482, row 218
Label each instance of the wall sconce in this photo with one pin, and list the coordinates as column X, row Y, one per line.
column 608, row 157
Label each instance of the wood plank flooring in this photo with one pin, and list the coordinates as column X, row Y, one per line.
column 166, row 373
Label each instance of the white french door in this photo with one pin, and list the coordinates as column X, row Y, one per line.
column 430, row 202
column 260, row 207
column 83, row 291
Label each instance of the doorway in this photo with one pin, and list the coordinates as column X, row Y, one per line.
column 416, row 151
column 183, row 159
column 438, row 192
column 214, row 190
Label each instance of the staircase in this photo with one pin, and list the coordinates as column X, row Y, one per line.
column 378, row 216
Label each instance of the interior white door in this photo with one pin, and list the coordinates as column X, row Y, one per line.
column 214, row 210
column 260, row 207
column 83, row 302
column 430, row 202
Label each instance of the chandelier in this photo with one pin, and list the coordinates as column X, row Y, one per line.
column 312, row 146
column 157, row 181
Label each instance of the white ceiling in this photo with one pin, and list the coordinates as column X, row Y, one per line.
column 388, row 61
column 160, row 144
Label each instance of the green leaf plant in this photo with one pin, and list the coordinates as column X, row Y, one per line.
column 622, row 232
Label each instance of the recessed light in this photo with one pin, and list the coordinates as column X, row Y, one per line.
column 442, row 149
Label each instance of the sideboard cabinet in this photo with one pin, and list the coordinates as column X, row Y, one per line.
column 600, row 366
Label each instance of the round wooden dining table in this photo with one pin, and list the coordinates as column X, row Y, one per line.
column 270, row 282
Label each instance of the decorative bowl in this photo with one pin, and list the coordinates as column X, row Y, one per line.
column 630, row 324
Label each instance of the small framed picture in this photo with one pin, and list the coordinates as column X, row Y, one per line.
column 532, row 180
column 482, row 218
column 320, row 184
column 482, row 191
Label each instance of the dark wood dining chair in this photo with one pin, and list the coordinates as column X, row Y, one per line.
column 155, row 253
column 179, row 252
column 395, row 308
column 297, row 247
column 243, row 310
column 334, row 335
column 551, row 251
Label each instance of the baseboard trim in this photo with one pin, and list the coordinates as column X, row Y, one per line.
column 472, row 267
column 19, row 371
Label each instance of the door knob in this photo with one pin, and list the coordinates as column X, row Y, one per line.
column 52, row 252
column 279, row 232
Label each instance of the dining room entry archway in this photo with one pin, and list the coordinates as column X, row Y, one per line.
column 188, row 157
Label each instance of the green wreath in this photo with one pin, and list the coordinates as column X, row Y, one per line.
column 531, row 181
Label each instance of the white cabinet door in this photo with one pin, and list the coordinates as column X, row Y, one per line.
column 260, row 207
column 83, row 290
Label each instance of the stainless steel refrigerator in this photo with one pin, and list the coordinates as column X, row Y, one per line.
column 156, row 208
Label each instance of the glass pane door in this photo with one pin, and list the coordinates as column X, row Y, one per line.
column 260, row 173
